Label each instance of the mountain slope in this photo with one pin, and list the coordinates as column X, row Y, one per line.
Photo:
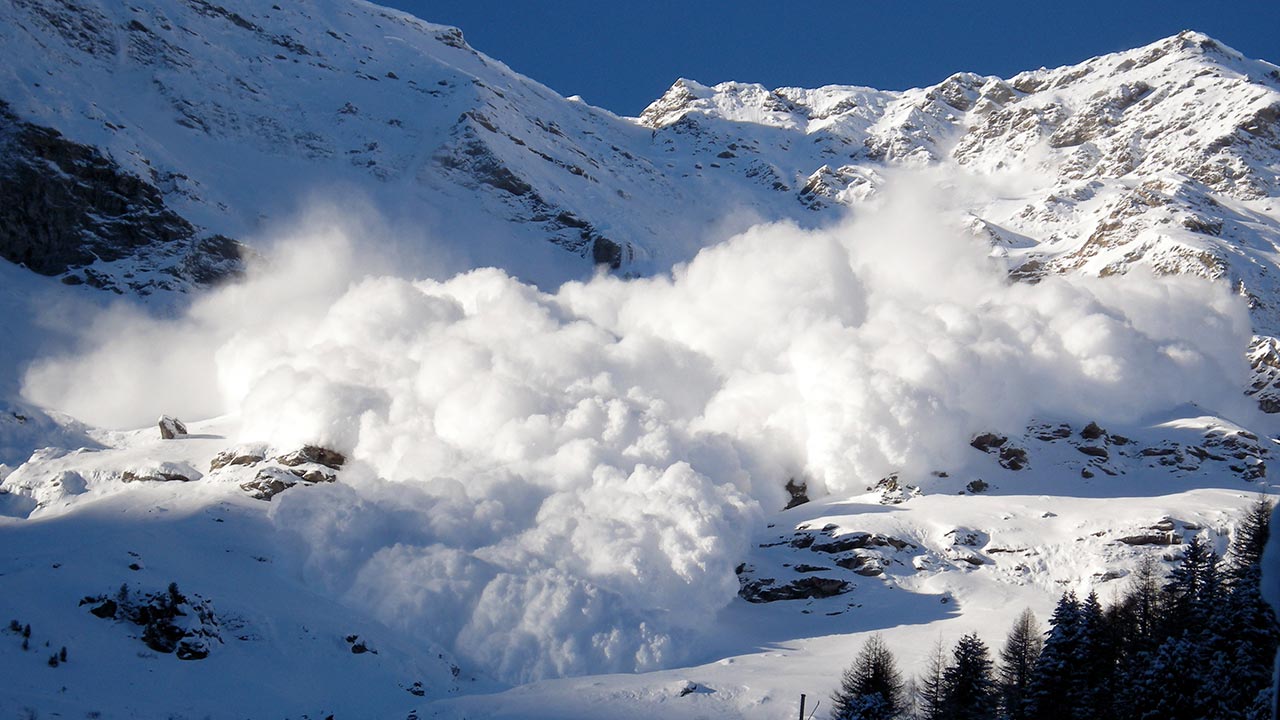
column 1160, row 156
column 898, row 362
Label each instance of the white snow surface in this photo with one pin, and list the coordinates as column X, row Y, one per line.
column 555, row 480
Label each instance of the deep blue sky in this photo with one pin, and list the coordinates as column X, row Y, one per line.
column 621, row 54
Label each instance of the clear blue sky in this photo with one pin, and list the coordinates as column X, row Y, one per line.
column 621, row 54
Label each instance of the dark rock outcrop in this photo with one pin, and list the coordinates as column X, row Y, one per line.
column 164, row 472
column 236, row 456
column 65, row 208
column 269, row 482
column 313, row 454
column 273, row 480
column 765, row 590
column 158, row 613
column 799, row 492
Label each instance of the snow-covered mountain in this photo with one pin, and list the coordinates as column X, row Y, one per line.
column 1164, row 155
column 863, row 361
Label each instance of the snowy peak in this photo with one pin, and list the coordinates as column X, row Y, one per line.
column 1186, row 104
column 787, row 108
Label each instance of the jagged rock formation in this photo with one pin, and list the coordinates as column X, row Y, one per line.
column 67, row 210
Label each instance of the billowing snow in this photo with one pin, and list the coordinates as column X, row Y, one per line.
column 558, row 484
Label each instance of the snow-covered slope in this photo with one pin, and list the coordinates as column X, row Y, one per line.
column 1166, row 156
column 235, row 113
column 898, row 362
column 238, row 114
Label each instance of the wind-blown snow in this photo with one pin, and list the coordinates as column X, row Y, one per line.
column 561, row 483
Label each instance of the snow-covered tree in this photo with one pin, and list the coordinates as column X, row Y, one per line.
column 968, row 688
column 930, row 685
column 1055, row 690
column 871, row 688
column 1018, row 663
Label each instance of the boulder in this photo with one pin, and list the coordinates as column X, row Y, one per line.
column 313, row 475
column 1013, row 458
column 865, row 565
column 240, row 455
column 269, row 482
column 331, row 459
column 987, row 442
column 798, row 491
column 161, row 472
column 171, row 428
column 1092, row 431
column 1155, row 537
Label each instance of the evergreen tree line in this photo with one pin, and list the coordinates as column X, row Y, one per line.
column 1196, row 645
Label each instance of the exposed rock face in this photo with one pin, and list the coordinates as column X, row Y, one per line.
column 764, row 590
column 331, row 459
column 1154, row 537
column 243, row 455
column 799, row 492
column 854, row 555
column 269, row 482
column 1213, row 449
column 1264, row 361
column 1092, row 431
column 67, row 210
column 162, row 472
column 1009, row 456
column 272, row 480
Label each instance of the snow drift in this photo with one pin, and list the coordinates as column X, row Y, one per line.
column 560, row 483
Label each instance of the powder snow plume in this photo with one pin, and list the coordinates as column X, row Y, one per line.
column 555, row 483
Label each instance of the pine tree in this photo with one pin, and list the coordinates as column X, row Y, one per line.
column 968, row 688
column 1017, row 664
column 1170, row 685
column 1249, row 540
column 1246, row 624
column 1186, row 676
column 1193, row 589
column 1055, row 691
column 1137, row 624
column 871, row 688
column 1137, row 616
column 929, row 687
column 1095, row 660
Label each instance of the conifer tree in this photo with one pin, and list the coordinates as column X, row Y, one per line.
column 929, row 687
column 1246, row 623
column 1183, row 678
column 871, row 688
column 1017, row 665
column 1095, row 661
column 1055, row 692
column 1192, row 589
column 968, row 688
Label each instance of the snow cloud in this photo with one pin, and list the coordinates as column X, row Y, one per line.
column 560, row 482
